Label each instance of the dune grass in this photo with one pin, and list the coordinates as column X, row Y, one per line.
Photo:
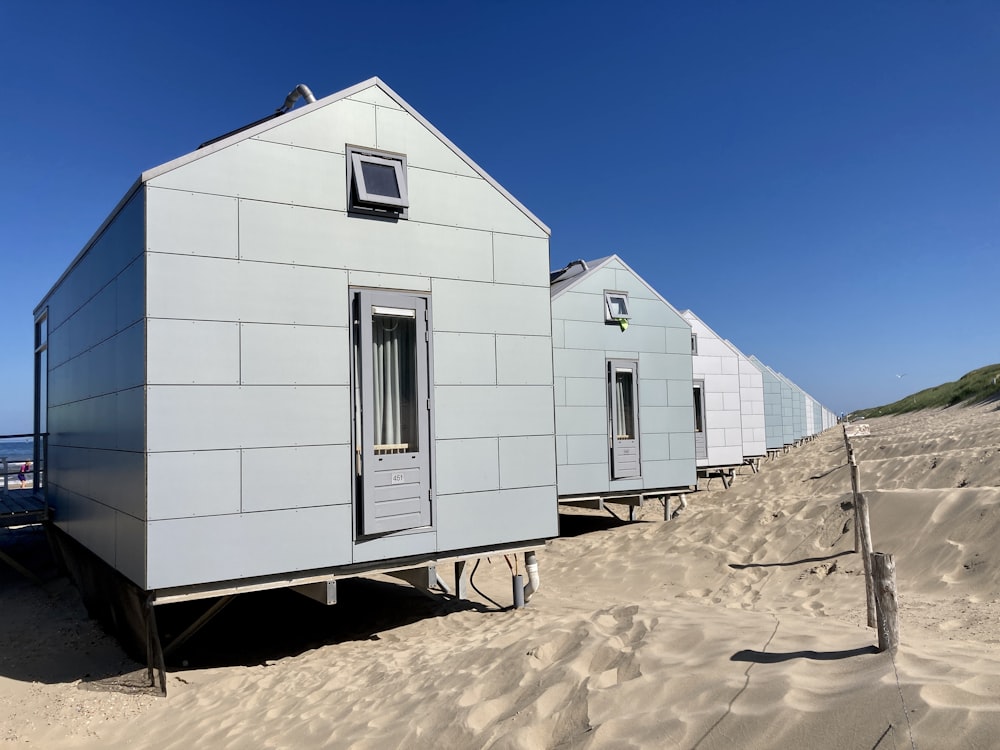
column 974, row 387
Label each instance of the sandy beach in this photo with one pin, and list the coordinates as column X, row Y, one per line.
column 739, row 624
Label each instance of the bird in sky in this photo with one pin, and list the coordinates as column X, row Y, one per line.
column 900, row 375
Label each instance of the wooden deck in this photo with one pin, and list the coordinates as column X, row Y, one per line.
column 21, row 508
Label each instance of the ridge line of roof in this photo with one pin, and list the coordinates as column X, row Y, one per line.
column 333, row 98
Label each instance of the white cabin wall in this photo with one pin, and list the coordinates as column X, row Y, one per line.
column 660, row 340
column 96, row 473
column 717, row 365
column 251, row 254
column 752, row 408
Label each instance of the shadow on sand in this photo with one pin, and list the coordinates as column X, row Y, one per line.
column 766, row 657
column 803, row 561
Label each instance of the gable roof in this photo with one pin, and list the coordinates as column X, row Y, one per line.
column 263, row 125
column 566, row 278
column 304, row 110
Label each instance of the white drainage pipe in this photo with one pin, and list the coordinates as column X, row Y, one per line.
column 534, row 581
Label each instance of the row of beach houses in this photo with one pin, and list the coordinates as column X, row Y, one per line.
column 330, row 344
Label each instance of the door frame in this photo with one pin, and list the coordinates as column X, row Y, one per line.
column 366, row 525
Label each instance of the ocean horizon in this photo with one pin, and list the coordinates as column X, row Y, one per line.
column 17, row 449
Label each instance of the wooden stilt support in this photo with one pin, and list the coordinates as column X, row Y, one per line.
column 154, row 652
column 199, row 623
column 884, row 573
column 865, row 530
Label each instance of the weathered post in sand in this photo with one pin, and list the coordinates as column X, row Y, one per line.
column 865, row 531
column 884, row 572
column 855, row 491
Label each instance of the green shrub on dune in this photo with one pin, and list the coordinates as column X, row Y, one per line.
column 974, row 387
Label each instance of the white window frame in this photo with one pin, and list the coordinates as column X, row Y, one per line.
column 362, row 200
column 609, row 309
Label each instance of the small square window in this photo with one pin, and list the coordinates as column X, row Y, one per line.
column 616, row 306
column 376, row 183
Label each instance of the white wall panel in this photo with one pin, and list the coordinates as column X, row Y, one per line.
column 96, row 321
column 192, row 352
column 332, row 239
column 193, row 483
column 89, row 522
column 587, row 449
column 653, row 392
column 527, row 461
column 490, row 308
column 277, row 478
column 201, row 550
column 626, row 281
column 196, row 288
column 567, row 362
column 129, row 348
column 485, row 518
column 327, row 128
column 520, row 260
column 464, row 358
column 130, row 294
column 582, row 420
column 524, row 360
column 130, row 420
column 290, row 355
column 655, row 447
column 584, row 479
column 120, row 480
column 644, row 338
column 130, row 548
column 265, row 171
column 210, row 224
column 466, row 202
column 580, row 306
column 482, row 411
column 398, row 131
column 374, row 95
column 471, row 465
column 406, row 283
column 586, row 392
column 682, row 446
column 246, row 416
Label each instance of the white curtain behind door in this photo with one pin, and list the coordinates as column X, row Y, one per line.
column 394, row 376
column 624, row 406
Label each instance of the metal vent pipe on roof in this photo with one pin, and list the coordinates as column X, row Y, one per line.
column 299, row 91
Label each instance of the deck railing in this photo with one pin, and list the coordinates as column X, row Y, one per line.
column 10, row 466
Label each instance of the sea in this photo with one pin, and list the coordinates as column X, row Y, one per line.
column 17, row 449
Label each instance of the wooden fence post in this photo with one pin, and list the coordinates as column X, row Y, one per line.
column 855, row 491
column 884, row 572
column 865, row 531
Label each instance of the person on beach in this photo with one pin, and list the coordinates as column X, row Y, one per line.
column 25, row 468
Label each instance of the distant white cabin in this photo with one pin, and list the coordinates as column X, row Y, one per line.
column 718, row 423
column 623, row 387
column 751, row 408
column 774, row 413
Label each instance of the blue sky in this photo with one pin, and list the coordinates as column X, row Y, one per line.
column 819, row 182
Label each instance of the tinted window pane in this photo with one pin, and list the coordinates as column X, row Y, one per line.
column 619, row 308
column 380, row 179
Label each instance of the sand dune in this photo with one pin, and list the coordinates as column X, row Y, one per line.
column 739, row 624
